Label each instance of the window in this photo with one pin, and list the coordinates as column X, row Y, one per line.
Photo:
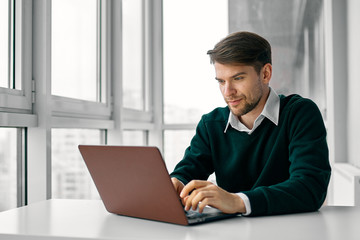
column 134, row 137
column 74, row 49
column 137, row 68
column 133, row 27
column 8, row 168
column 70, row 177
column 4, row 43
column 15, row 57
column 175, row 144
column 190, row 89
column 81, row 104
column 79, row 54
column 15, row 99
column 72, row 97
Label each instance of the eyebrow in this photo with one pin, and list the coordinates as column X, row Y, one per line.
column 235, row 75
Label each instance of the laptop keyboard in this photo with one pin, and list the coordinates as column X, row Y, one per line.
column 191, row 214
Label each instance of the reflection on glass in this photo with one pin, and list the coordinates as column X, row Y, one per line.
column 134, row 138
column 4, row 43
column 190, row 89
column 175, row 144
column 8, row 169
column 133, row 56
column 74, row 49
column 295, row 31
column 70, row 177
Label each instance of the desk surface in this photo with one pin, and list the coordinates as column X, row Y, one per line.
column 88, row 219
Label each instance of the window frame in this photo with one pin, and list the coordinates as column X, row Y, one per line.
column 21, row 167
column 62, row 112
column 15, row 100
column 16, row 109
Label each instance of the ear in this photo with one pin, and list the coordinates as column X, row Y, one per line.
column 266, row 73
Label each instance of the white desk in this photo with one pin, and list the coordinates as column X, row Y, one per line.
column 86, row 219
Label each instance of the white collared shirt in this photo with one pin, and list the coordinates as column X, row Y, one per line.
column 271, row 111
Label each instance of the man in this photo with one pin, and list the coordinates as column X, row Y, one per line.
column 268, row 151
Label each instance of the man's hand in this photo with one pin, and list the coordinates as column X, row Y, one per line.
column 177, row 185
column 204, row 193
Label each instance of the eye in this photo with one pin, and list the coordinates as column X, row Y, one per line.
column 238, row 78
column 220, row 81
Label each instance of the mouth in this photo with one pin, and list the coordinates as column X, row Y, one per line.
column 234, row 102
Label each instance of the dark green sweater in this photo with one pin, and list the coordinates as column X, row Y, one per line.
column 282, row 169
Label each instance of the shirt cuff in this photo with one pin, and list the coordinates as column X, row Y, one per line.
column 246, row 202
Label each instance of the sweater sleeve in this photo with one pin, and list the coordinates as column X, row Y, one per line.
column 305, row 189
column 197, row 163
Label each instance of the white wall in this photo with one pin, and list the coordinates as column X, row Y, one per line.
column 353, row 19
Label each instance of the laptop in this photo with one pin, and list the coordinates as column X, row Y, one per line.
column 133, row 181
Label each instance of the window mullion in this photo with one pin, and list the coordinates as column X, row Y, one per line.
column 21, row 167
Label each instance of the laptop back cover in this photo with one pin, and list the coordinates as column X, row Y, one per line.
column 133, row 181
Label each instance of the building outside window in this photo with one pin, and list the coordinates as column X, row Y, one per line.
column 70, row 177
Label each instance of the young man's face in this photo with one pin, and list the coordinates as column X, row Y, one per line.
column 241, row 87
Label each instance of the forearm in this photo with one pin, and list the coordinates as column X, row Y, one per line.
column 291, row 196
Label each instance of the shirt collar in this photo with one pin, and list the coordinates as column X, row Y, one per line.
column 271, row 111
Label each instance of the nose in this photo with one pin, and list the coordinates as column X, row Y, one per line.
column 228, row 89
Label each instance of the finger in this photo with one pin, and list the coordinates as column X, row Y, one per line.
column 177, row 185
column 184, row 202
column 196, row 197
column 194, row 184
column 203, row 198
column 189, row 201
column 204, row 203
column 199, row 190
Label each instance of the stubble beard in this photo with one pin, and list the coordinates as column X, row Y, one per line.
column 248, row 106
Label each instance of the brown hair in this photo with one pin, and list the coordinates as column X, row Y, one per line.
column 242, row 48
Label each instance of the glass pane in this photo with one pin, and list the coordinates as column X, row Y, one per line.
column 295, row 31
column 133, row 54
column 190, row 89
column 74, row 49
column 4, row 43
column 175, row 144
column 134, row 138
column 8, row 169
column 70, row 177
